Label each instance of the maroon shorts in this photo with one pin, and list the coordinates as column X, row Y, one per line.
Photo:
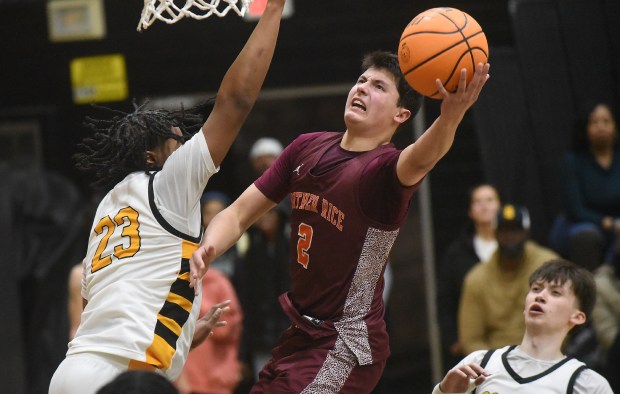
column 301, row 364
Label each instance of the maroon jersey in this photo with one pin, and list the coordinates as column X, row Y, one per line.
column 347, row 210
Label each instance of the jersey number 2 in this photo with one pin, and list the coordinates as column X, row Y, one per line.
column 304, row 242
column 129, row 231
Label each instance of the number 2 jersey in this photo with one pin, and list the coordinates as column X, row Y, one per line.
column 136, row 271
column 347, row 208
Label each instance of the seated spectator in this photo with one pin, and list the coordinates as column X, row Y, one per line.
column 475, row 243
column 591, row 189
column 490, row 313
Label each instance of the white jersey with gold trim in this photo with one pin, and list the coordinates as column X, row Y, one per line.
column 136, row 276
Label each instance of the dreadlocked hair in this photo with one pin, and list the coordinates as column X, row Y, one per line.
column 118, row 146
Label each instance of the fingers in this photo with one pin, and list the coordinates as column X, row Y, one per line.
column 222, row 304
column 441, row 88
column 473, row 371
column 198, row 264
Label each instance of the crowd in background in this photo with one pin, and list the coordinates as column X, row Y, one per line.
column 482, row 276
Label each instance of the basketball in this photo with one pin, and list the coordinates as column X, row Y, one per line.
column 439, row 43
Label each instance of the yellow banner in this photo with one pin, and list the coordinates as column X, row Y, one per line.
column 97, row 79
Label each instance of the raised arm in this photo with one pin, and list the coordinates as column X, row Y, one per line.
column 420, row 157
column 226, row 228
column 241, row 84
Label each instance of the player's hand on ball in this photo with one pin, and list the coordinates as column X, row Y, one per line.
column 455, row 104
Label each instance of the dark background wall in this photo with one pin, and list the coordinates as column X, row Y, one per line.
column 546, row 55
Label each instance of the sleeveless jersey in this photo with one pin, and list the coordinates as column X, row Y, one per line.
column 136, row 271
column 338, row 254
column 558, row 378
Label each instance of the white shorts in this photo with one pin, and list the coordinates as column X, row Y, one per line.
column 85, row 373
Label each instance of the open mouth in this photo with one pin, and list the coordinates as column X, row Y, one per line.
column 358, row 104
column 536, row 309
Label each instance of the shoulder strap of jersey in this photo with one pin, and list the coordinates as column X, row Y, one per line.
column 484, row 362
column 573, row 379
column 487, row 356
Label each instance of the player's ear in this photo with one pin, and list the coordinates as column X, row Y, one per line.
column 402, row 115
column 150, row 158
column 578, row 318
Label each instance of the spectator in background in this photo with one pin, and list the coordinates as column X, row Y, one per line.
column 213, row 367
column 476, row 243
column 212, row 203
column 264, row 152
column 138, row 382
column 606, row 315
column 591, row 189
column 265, row 272
column 490, row 312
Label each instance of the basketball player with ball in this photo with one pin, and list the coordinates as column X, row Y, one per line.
column 350, row 193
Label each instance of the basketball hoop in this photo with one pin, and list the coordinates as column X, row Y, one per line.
column 167, row 11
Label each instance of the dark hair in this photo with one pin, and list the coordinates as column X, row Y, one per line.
column 560, row 271
column 580, row 141
column 139, row 382
column 119, row 145
column 408, row 98
column 477, row 186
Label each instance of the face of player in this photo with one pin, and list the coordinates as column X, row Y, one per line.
column 484, row 205
column 372, row 101
column 601, row 127
column 158, row 156
column 552, row 307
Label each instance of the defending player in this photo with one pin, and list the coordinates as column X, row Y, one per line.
column 140, row 312
column 561, row 297
column 350, row 193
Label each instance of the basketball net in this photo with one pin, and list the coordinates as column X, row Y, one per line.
column 167, row 11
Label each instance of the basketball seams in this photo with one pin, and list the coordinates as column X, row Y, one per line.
column 465, row 39
column 438, row 43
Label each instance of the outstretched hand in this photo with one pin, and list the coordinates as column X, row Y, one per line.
column 198, row 264
column 463, row 378
column 208, row 322
column 455, row 104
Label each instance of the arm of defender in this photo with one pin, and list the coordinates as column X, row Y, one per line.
column 226, row 228
column 420, row 157
column 241, row 84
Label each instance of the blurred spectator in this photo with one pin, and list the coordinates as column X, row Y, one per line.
column 212, row 203
column 213, row 367
column 264, row 151
column 264, row 277
column 491, row 308
column 606, row 315
column 265, row 272
column 475, row 243
column 591, row 189
column 139, row 382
